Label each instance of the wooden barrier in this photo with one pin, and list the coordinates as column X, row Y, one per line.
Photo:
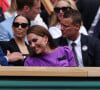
column 42, row 71
column 50, row 71
column 49, row 78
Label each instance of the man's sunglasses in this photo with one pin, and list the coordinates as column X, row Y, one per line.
column 23, row 25
column 57, row 9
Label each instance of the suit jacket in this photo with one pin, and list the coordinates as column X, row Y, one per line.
column 12, row 47
column 88, row 9
column 3, row 59
column 90, row 48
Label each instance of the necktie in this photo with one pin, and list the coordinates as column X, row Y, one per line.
column 75, row 55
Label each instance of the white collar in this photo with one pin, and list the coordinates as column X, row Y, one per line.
column 77, row 41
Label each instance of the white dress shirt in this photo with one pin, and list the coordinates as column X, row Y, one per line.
column 55, row 31
column 77, row 49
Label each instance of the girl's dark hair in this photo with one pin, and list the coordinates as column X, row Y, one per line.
column 29, row 22
column 41, row 31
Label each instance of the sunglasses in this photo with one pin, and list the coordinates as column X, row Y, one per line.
column 23, row 25
column 57, row 9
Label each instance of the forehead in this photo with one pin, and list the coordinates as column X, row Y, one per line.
column 21, row 19
column 66, row 21
column 33, row 35
column 62, row 4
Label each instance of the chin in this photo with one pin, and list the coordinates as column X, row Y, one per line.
column 38, row 53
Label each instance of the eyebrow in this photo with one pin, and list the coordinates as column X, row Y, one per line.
column 64, row 25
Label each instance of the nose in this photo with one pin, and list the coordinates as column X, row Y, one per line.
column 62, row 28
column 60, row 11
column 19, row 26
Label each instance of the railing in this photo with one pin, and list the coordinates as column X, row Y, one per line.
column 51, row 71
column 49, row 78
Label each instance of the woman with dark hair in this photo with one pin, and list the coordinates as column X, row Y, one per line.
column 45, row 52
column 21, row 24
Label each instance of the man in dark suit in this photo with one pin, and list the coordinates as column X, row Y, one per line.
column 88, row 10
column 87, row 48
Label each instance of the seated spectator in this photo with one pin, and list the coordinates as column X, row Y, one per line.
column 59, row 8
column 45, row 52
column 12, row 10
column 87, row 48
column 30, row 8
column 20, row 26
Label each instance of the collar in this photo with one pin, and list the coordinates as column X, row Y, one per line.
column 77, row 41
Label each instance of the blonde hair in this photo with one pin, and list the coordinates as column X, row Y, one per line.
column 54, row 19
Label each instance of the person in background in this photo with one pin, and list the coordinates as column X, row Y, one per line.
column 31, row 8
column 86, row 48
column 11, row 11
column 88, row 10
column 59, row 8
column 20, row 26
column 45, row 52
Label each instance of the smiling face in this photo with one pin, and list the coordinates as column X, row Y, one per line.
column 37, row 43
column 20, row 27
column 61, row 4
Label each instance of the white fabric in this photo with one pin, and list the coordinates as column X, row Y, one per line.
column 96, row 17
column 38, row 20
column 9, row 1
column 91, row 30
column 7, row 15
column 55, row 31
column 83, row 30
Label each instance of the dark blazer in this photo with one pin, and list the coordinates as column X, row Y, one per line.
column 3, row 60
column 90, row 49
column 88, row 10
column 12, row 47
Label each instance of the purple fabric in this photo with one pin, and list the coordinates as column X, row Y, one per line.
column 62, row 57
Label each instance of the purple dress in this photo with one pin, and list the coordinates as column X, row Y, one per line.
column 62, row 57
